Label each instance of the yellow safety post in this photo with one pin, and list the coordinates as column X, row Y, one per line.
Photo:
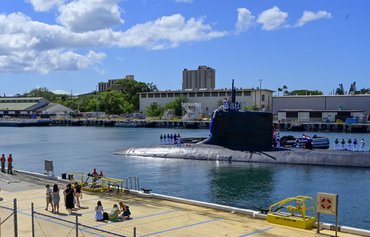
column 297, row 215
column 108, row 183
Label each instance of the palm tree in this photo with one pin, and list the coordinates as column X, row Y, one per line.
column 285, row 88
column 279, row 90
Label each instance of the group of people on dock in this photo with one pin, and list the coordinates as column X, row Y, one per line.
column 119, row 212
column 228, row 105
column 72, row 196
column 349, row 145
column 169, row 139
column 10, row 164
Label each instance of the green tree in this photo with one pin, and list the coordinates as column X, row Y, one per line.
column 305, row 92
column 252, row 107
column 176, row 105
column 113, row 102
column 279, row 90
column 154, row 110
column 130, row 89
column 42, row 92
column 285, row 89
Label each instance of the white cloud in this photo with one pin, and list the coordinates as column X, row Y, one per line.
column 27, row 45
column 245, row 20
column 272, row 18
column 44, row 5
column 312, row 16
column 90, row 15
column 60, row 92
column 184, row 1
column 167, row 32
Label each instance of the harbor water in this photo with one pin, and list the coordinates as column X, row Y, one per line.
column 242, row 185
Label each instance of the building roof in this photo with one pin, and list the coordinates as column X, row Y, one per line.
column 320, row 110
column 16, row 106
column 213, row 90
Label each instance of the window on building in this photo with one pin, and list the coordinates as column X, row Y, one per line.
column 238, row 93
column 170, row 94
column 229, row 93
column 215, row 94
column 163, row 95
column 191, row 94
column 199, row 94
column 315, row 114
column 143, row 95
column 292, row 114
column 247, row 93
column 222, row 94
column 157, row 95
column 207, row 94
column 263, row 98
column 150, row 95
column 177, row 94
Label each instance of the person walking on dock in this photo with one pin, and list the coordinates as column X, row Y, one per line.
column 2, row 159
column 10, row 164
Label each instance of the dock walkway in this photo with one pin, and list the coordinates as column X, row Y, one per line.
column 150, row 216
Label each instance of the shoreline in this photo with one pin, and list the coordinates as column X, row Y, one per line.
column 146, row 123
column 154, row 197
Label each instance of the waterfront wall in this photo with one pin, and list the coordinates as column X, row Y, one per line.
column 322, row 102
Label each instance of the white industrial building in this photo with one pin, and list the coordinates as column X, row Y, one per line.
column 210, row 99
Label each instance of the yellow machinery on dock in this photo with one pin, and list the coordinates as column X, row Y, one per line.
column 298, row 207
column 98, row 183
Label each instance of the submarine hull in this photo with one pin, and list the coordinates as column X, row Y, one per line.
column 283, row 156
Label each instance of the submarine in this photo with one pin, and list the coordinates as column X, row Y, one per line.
column 247, row 136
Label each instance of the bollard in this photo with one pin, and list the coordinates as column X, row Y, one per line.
column 15, row 218
column 134, row 231
column 76, row 225
column 33, row 220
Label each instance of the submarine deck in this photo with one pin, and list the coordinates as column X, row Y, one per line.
column 151, row 216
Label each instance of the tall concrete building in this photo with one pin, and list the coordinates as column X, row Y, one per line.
column 201, row 79
column 112, row 83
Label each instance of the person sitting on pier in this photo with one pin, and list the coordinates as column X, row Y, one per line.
column 126, row 214
column 161, row 139
column 99, row 211
column 114, row 214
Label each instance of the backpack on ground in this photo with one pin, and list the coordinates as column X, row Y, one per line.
column 105, row 216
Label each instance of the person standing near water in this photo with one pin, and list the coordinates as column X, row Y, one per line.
column 56, row 198
column 10, row 164
column 69, row 196
column 354, row 144
column 336, row 142
column 2, row 159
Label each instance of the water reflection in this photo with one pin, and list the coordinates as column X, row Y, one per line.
column 242, row 186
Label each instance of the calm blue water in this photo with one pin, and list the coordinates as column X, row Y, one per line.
column 242, row 185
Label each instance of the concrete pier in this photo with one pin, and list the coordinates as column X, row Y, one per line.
column 152, row 215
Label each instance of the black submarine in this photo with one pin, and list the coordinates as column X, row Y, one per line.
column 247, row 136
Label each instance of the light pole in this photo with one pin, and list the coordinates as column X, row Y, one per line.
column 260, row 94
column 96, row 92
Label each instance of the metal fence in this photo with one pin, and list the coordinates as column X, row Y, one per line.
column 44, row 225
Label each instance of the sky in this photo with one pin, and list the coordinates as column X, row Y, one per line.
column 68, row 46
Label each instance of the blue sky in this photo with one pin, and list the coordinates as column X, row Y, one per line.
column 71, row 45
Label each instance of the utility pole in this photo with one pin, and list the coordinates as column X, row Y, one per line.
column 260, row 94
column 96, row 97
